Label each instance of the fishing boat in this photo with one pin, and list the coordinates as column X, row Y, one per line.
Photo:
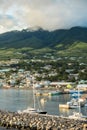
column 52, row 93
column 74, row 103
column 33, row 109
column 78, row 115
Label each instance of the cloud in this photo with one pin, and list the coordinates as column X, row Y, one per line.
column 49, row 14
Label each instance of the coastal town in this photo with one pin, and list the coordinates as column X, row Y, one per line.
column 54, row 73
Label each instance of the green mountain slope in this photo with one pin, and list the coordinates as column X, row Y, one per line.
column 63, row 42
column 76, row 49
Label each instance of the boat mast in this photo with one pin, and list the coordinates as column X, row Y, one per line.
column 79, row 100
column 34, row 96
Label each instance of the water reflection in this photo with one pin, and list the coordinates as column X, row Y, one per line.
column 43, row 101
column 64, row 112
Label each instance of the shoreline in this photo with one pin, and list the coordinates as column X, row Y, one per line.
column 44, row 89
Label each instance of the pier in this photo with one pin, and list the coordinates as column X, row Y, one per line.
column 39, row 122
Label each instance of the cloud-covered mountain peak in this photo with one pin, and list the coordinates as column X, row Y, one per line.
column 33, row 29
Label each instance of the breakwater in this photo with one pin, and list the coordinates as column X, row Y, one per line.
column 39, row 122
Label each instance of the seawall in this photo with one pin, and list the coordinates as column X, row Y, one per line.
column 39, row 122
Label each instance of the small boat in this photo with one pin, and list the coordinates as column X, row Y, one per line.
column 38, row 94
column 77, row 116
column 52, row 93
column 32, row 109
column 28, row 110
column 64, row 106
column 74, row 103
column 76, row 95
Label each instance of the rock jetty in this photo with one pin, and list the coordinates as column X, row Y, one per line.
column 39, row 122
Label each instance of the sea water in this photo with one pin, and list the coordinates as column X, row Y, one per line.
column 19, row 99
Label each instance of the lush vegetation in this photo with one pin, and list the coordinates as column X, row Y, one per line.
column 25, row 43
column 59, row 70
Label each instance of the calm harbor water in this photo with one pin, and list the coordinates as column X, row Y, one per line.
column 15, row 99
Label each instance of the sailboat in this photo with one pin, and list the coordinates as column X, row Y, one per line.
column 33, row 109
column 78, row 115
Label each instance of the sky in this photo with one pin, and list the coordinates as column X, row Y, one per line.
column 48, row 14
